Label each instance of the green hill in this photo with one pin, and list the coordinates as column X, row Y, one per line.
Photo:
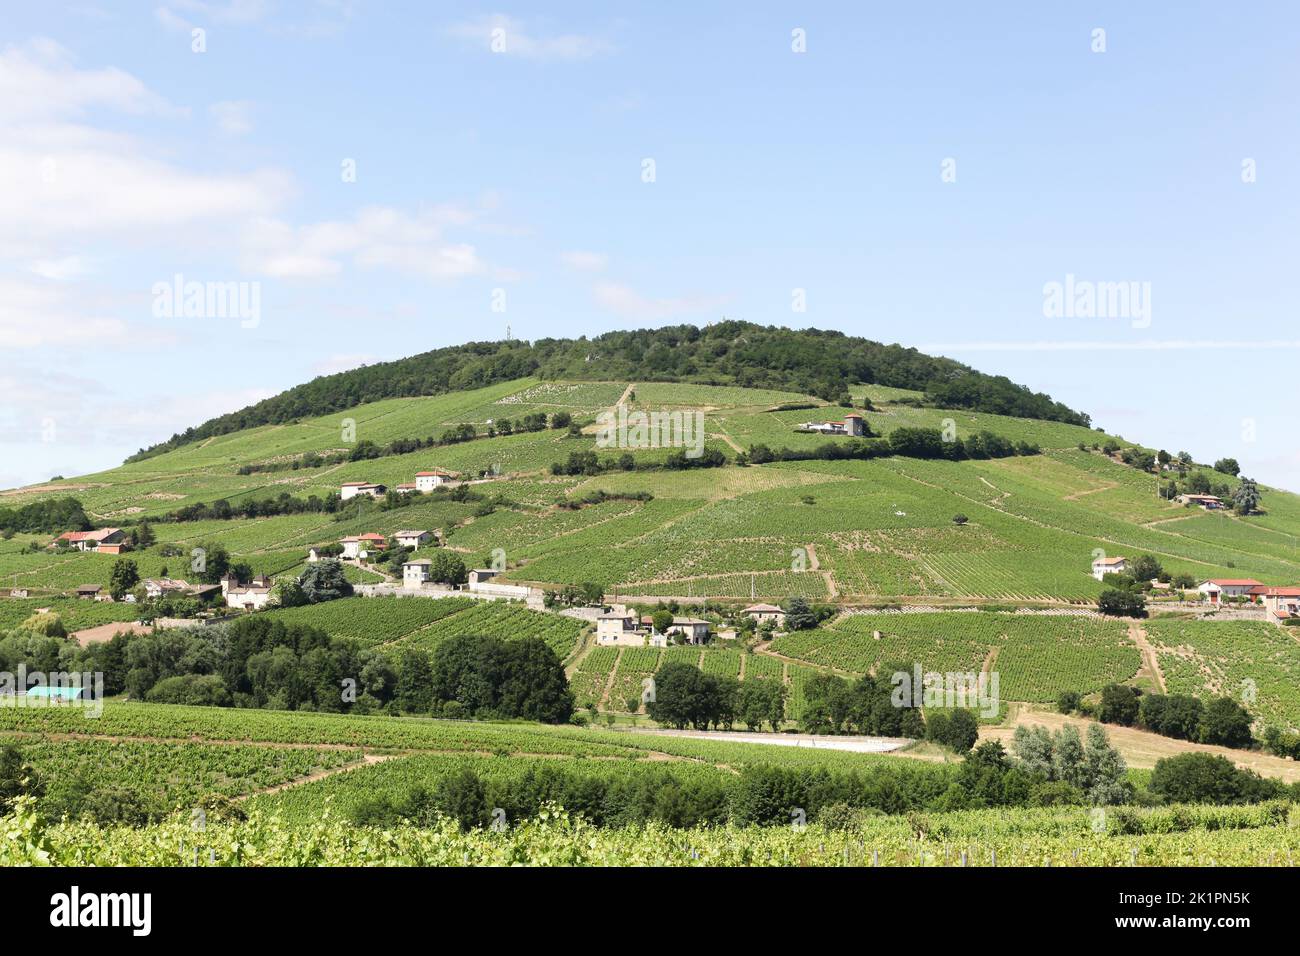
column 740, row 353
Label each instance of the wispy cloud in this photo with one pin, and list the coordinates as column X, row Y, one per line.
column 629, row 303
column 504, row 35
column 233, row 117
column 379, row 237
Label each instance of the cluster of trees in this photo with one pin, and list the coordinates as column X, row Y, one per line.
column 50, row 515
column 281, row 504
column 836, row 705
column 813, row 361
column 598, row 497
column 684, row 696
column 590, row 464
column 1210, row 778
column 1220, row 721
column 306, row 460
column 488, row 677
column 261, row 662
column 903, row 442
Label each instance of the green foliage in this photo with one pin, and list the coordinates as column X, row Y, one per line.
column 324, row 581
column 1208, row 778
column 1119, row 705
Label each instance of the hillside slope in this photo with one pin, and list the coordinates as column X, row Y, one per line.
column 741, row 353
column 855, row 531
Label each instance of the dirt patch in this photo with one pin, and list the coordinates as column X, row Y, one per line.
column 1142, row 749
column 105, row 632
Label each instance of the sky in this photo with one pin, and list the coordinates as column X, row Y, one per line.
column 1097, row 200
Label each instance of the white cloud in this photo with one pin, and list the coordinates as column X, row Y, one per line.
column 38, row 81
column 379, row 237
column 69, row 424
column 233, row 117
column 508, row 36
column 67, row 180
column 629, row 303
column 584, row 261
column 48, row 314
column 62, row 270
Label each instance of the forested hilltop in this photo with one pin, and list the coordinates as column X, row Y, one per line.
column 814, row 361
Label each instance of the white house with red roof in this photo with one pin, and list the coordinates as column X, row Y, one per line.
column 358, row 546
column 428, row 480
column 94, row 540
column 1281, row 602
column 1113, row 565
column 350, row 489
column 1215, row 589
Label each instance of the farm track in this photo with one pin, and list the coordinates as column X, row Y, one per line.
column 1104, row 486
column 1150, row 660
column 367, row 760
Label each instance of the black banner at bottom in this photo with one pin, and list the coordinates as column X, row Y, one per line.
column 330, row 905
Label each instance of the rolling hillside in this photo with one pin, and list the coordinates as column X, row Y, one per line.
column 859, row 531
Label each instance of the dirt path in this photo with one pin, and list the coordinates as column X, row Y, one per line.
column 367, row 760
column 1104, row 486
column 1150, row 660
column 622, row 399
column 603, row 703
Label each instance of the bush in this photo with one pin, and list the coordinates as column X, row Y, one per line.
column 1068, row 701
column 1119, row 705
column 1209, row 778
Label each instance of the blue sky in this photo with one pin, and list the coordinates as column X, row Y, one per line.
column 128, row 158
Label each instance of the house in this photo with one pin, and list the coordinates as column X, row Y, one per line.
column 1208, row 502
column 1217, row 588
column 251, row 596
column 416, row 573
column 762, row 613
column 350, row 489
column 853, row 424
column 101, row 539
column 428, row 480
column 413, row 539
column 359, row 546
column 695, row 630
column 619, row 627
column 1281, row 602
column 155, row 588
column 1104, row 566
column 482, row 575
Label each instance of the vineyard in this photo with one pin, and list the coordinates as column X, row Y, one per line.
column 1056, row 837
column 1037, row 656
column 372, row 621
column 1254, row 662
